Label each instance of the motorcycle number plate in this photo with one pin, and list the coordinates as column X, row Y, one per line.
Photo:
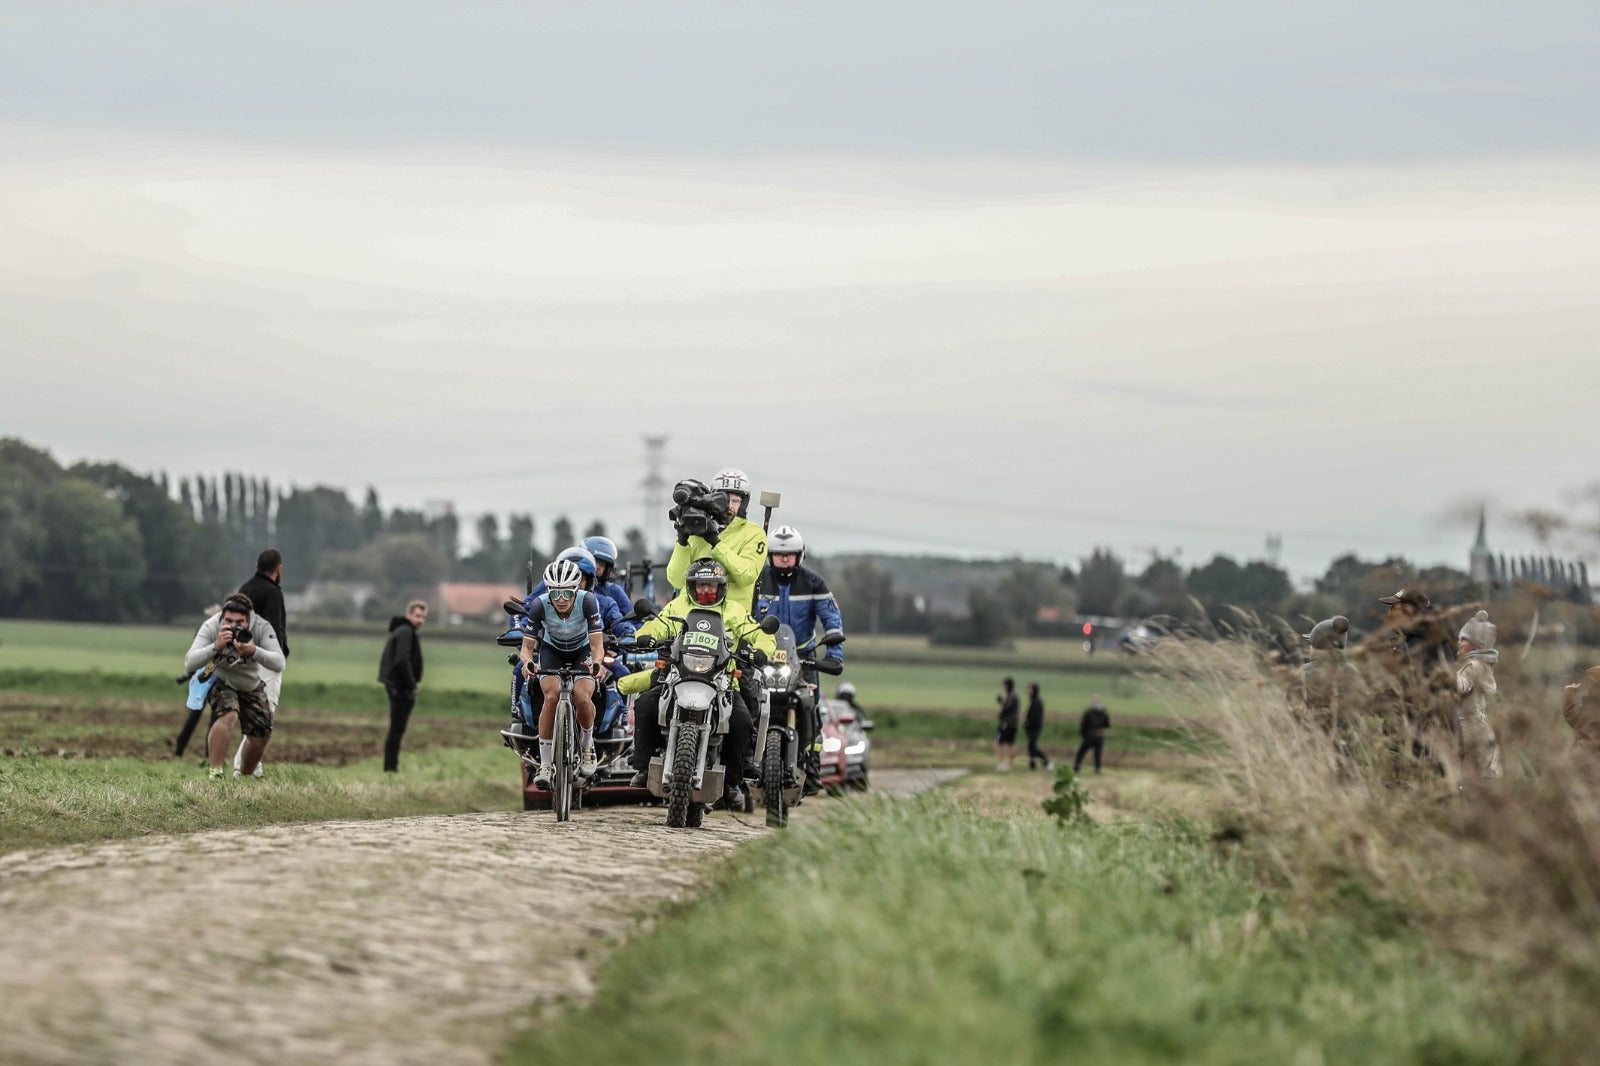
column 780, row 656
column 701, row 640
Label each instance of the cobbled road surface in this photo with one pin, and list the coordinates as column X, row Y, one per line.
column 410, row 940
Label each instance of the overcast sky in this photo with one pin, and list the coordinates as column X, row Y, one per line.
column 976, row 279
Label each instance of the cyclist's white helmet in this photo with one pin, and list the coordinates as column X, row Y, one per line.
column 563, row 574
column 845, row 690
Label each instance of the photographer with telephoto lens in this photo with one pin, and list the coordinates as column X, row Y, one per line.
column 239, row 645
column 710, row 523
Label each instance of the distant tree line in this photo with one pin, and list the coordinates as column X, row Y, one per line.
column 98, row 541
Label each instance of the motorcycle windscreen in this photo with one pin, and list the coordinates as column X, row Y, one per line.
column 694, row 695
column 788, row 653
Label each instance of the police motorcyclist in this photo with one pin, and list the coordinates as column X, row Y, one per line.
column 800, row 599
column 604, row 551
column 738, row 544
column 846, row 693
column 705, row 588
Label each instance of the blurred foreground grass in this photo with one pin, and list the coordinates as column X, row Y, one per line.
column 952, row 928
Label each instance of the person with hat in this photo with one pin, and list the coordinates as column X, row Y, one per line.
column 736, row 542
column 1474, row 685
column 1330, row 684
column 1420, row 655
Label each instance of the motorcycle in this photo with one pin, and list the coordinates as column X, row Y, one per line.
column 696, row 705
column 613, row 733
column 784, row 691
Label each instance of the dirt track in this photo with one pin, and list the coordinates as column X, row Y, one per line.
column 408, row 940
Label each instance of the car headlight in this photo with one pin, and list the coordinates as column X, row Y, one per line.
column 857, row 748
column 699, row 662
column 831, row 743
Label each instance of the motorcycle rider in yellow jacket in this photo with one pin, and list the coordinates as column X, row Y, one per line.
column 705, row 588
column 740, row 545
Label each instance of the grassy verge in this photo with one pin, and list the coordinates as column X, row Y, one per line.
column 49, row 800
column 941, row 929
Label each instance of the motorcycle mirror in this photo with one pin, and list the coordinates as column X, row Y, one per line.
column 770, row 623
column 513, row 608
column 643, row 608
column 832, row 639
column 867, row 726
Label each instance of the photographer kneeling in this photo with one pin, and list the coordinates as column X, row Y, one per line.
column 238, row 645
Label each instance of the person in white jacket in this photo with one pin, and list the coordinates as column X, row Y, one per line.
column 234, row 648
column 1475, row 683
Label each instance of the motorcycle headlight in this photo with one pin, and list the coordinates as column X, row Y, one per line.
column 768, row 673
column 783, row 673
column 699, row 662
column 831, row 743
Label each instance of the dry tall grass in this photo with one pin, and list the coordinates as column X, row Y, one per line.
column 1504, row 871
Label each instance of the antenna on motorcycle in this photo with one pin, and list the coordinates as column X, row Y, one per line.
column 769, row 500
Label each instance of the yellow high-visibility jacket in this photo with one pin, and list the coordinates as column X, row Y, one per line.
column 663, row 627
column 742, row 551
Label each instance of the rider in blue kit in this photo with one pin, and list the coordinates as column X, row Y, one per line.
column 800, row 599
column 562, row 628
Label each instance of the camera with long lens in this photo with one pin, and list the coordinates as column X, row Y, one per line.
column 241, row 634
column 698, row 510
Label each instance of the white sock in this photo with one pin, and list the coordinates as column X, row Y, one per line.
column 586, row 736
column 547, row 752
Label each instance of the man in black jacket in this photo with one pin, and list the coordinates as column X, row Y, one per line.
column 266, row 592
column 1093, row 731
column 400, row 671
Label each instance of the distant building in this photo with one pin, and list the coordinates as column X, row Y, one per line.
column 1567, row 578
column 475, row 601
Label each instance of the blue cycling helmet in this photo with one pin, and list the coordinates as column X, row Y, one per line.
column 604, row 549
column 581, row 556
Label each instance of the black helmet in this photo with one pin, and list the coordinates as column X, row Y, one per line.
column 702, row 573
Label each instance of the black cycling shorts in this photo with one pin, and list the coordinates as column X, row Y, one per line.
column 552, row 659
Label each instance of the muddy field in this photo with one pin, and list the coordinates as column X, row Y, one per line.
column 72, row 728
column 414, row 940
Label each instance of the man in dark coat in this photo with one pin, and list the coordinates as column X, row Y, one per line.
column 1093, row 730
column 266, row 592
column 400, row 671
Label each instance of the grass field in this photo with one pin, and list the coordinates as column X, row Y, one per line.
column 150, row 652
column 949, row 929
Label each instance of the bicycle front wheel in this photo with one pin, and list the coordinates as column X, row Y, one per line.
column 561, row 779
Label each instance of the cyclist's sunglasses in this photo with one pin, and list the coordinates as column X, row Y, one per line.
column 563, row 594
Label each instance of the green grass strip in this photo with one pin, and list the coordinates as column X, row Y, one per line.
column 50, row 801
column 933, row 930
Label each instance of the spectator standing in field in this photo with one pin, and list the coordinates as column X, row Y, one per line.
column 1033, row 725
column 1475, row 683
column 233, row 649
column 1005, row 734
column 1093, row 731
column 266, row 593
column 400, row 670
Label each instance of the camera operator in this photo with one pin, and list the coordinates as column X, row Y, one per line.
column 710, row 523
column 243, row 646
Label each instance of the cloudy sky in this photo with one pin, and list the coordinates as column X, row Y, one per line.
column 966, row 278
